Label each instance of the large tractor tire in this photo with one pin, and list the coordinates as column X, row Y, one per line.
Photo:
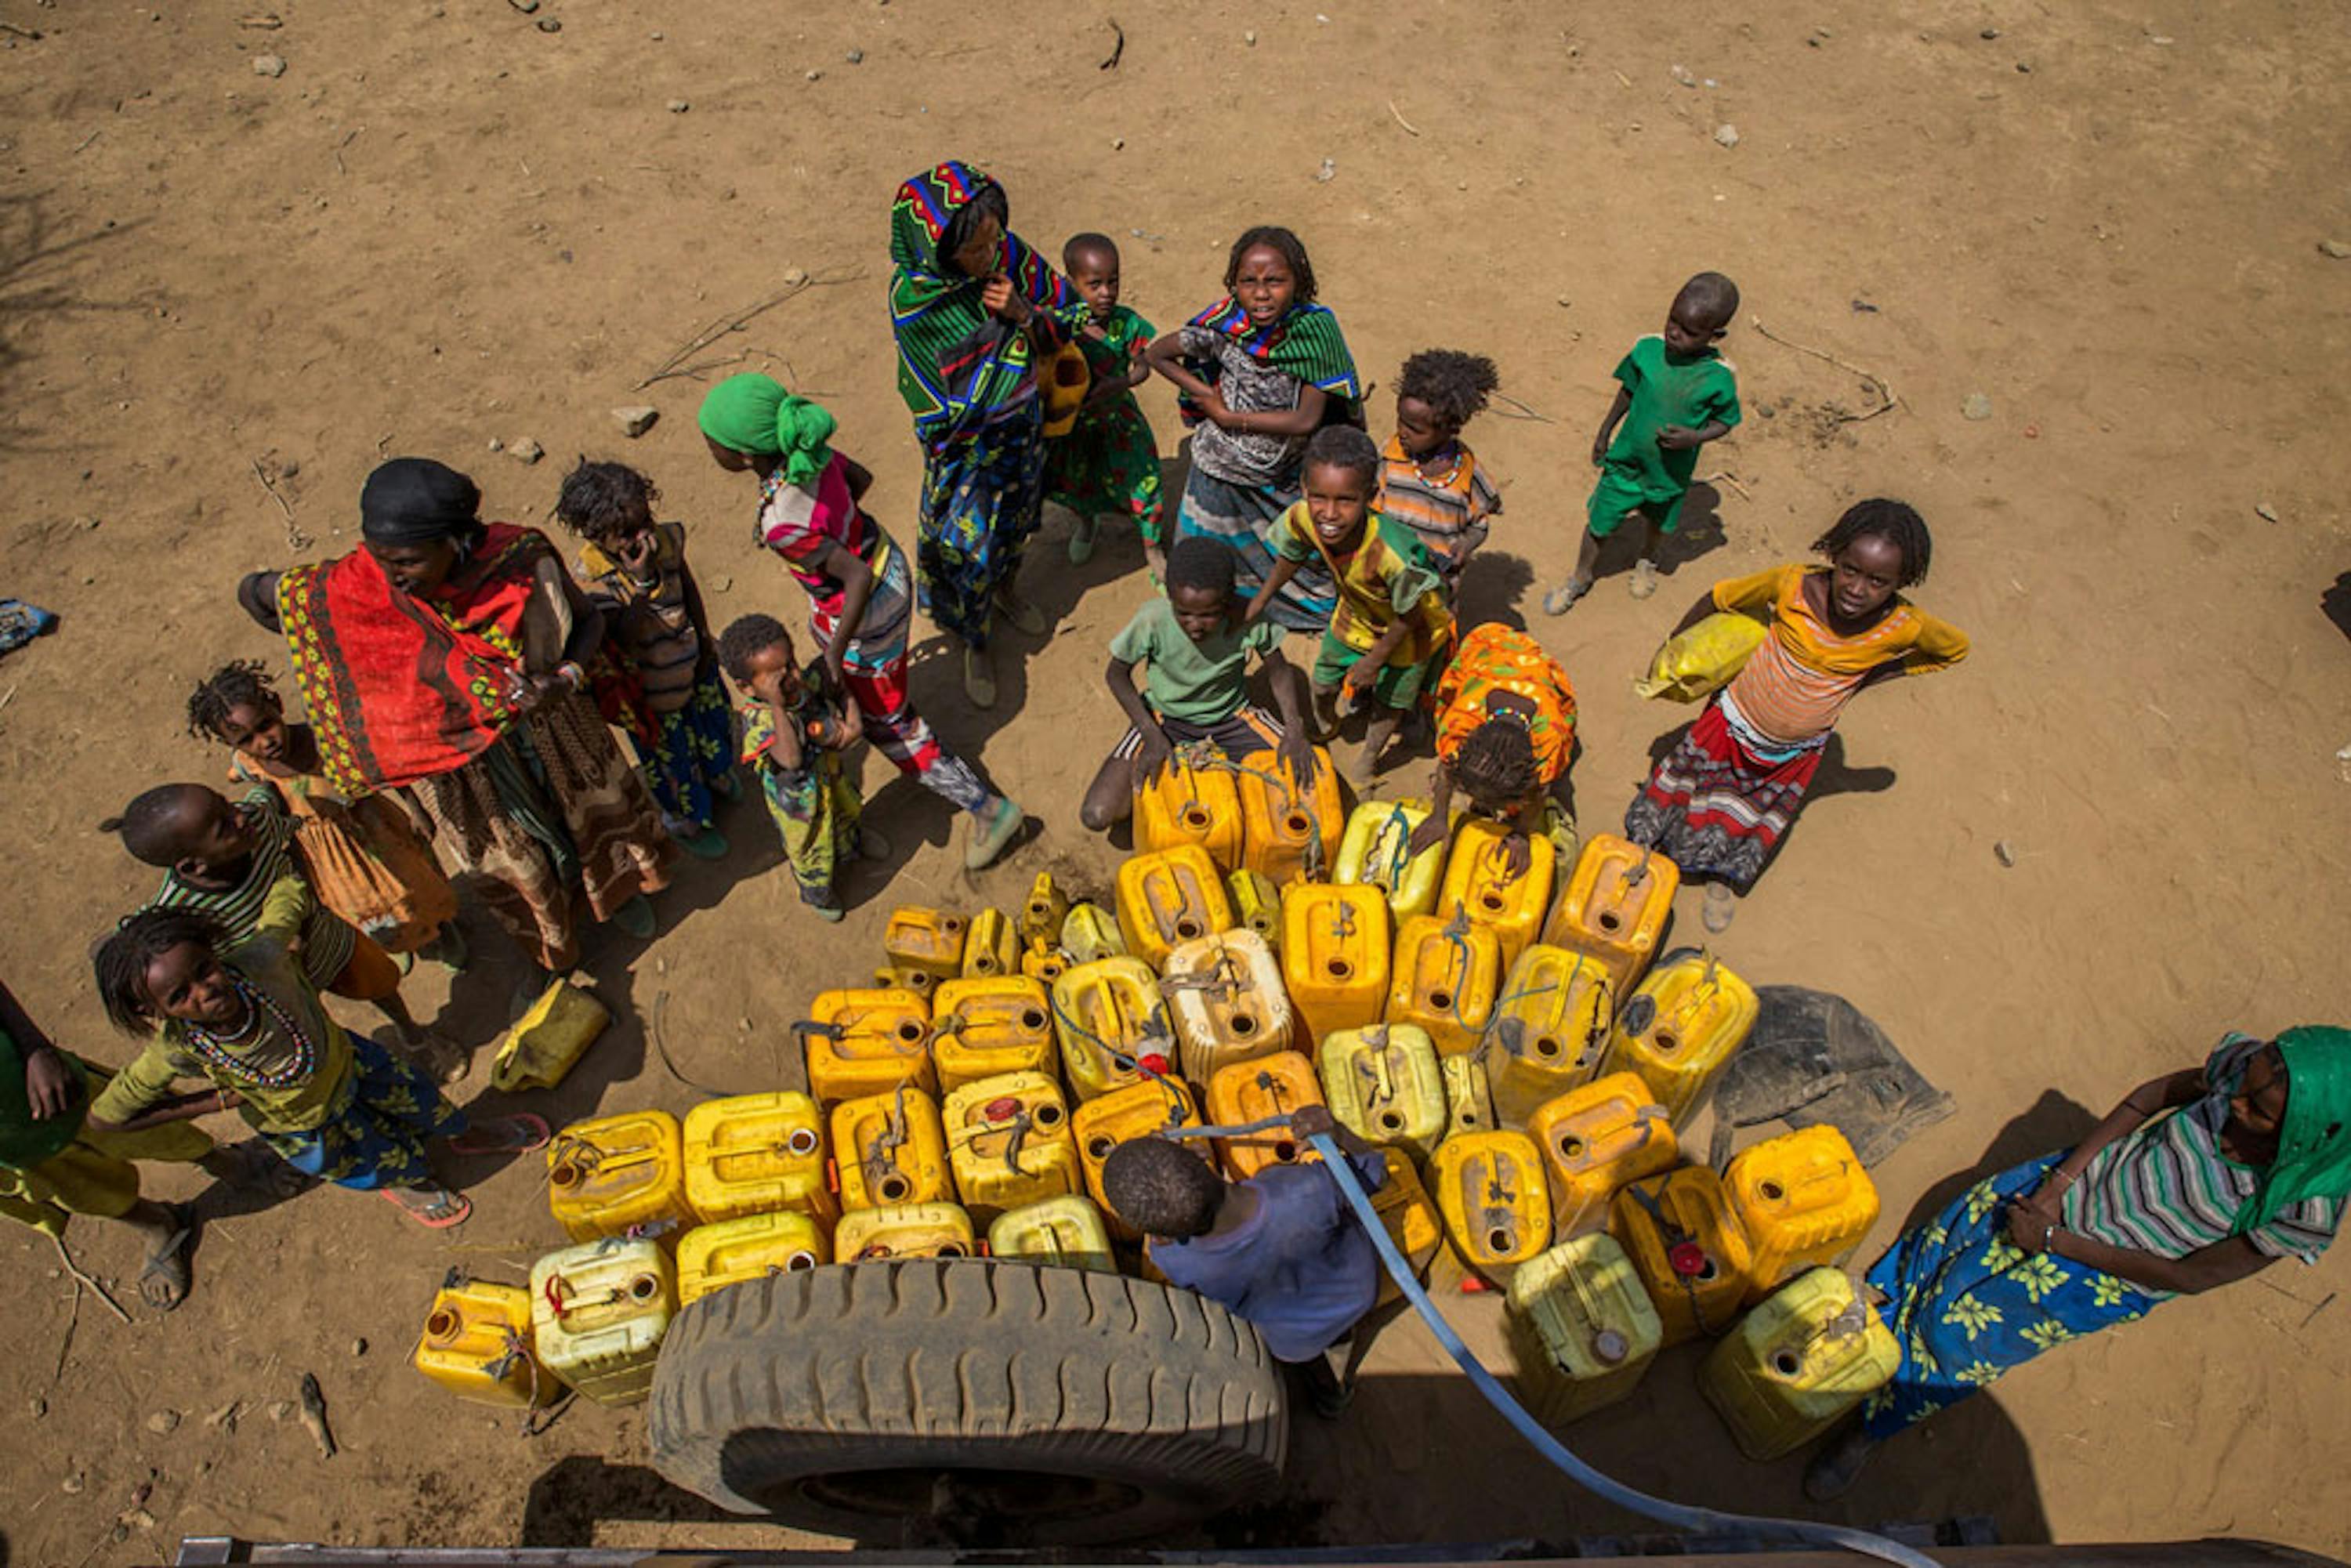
column 967, row 1402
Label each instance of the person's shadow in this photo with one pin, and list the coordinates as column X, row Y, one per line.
column 2336, row 602
column 1698, row 533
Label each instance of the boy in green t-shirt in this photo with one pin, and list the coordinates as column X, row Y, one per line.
column 1675, row 394
column 1194, row 690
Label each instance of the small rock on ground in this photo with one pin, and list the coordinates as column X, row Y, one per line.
column 637, row 420
column 1726, row 135
column 2265, row 511
column 2339, row 250
column 549, row 24
column 163, row 1421
column 1976, row 406
column 268, row 65
column 794, row 277
column 679, row 106
column 526, row 450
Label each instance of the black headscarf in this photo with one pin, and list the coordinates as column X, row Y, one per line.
column 415, row 501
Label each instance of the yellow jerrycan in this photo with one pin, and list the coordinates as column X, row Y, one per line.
column 597, row 1312
column 991, row 949
column 1226, row 1002
column 1168, row 897
column 1679, row 1029
column 1549, row 1032
column 1615, row 906
column 1443, row 979
column 891, row 1149
column 1288, row 832
column 1491, row 1188
column 1382, row 1083
column 1803, row 1199
column 1008, row 1140
column 750, row 1247
column 930, row 940
column 1137, row 1111
column 547, row 1041
column 1257, row 906
column 1249, row 1091
column 1091, row 933
column 1067, row 1232
column 753, row 1154
column 1582, row 1330
column 1478, row 882
column 1468, row 1103
column 1687, row 1248
column 1108, row 1016
column 1043, row 963
column 1797, row 1364
column 1376, row 851
column 906, row 1230
column 613, row 1175
column 866, row 1041
column 476, row 1343
column 1193, row 802
column 1596, row 1139
column 981, row 1027
column 920, row 984
column 1408, row 1216
column 1043, row 912
column 1335, row 945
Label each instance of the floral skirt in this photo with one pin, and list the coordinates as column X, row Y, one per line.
column 692, row 752
column 983, row 495
column 377, row 1138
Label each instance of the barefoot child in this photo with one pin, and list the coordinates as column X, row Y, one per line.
column 1429, row 479
column 367, row 860
column 1388, row 636
column 1505, row 735
column 241, row 1017
column 1194, row 649
column 793, row 735
column 635, row 572
column 1108, row 464
column 1675, row 394
column 235, row 864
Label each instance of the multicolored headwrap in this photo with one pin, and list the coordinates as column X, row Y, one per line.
column 956, row 364
column 1304, row 342
column 753, row 412
column 2314, row 1156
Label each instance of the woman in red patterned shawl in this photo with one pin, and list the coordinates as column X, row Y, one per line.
column 457, row 657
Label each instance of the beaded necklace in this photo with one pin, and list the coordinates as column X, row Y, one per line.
column 212, row 1047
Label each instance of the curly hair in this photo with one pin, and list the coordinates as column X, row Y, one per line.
column 240, row 683
column 1897, row 522
column 1343, row 446
column 1454, row 384
column 1161, row 1188
column 1200, row 562
column 119, row 961
column 597, row 498
column 1497, row 761
column 1288, row 246
column 747, row 635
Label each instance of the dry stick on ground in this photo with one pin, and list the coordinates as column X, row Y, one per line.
column 1523, row 410
column 1884, row 388
column 80, row 1277
column 1728, row 477
column 296, row 540
column 65, row 1341
column 1117, row 48
column 1400, row 119
column 676, row 363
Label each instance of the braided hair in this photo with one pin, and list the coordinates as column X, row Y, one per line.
column 1497, row 762
column 1284, row 244
column 1897, row 522
column 120, row 960
column 240, row 683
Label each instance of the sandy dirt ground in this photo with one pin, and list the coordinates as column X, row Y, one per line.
column 443, row 225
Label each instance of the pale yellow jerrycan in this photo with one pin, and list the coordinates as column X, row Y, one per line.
column 1091, row 933
column 1549, row 1030
column 1247, row 1091
column 930, row 940
column 1479, row 884
column 1169, row 897
column 1444, row 978
column 867, row 1041
column 597, row 1312
column 1008, row 1140
column 752, row 1154
column 750, row 1247
column 1798, row 1364
column 1066, row 1232
column 1194, row 801
column 1687, row 1248
column 1582, row 1330
column 1596, row 1139
column 1108, row 1016
column 1409, row 1216
column 1617, row 902
column 981, row 1027
column 1803, row 1200
column 611, row 1174
column 1335, row 947
column 547, row 1041
column 991, row 949
column 1375, row 850
column 1043, row 912
column 1679, row 1029
column 1257, row 906
column 1226, row 1002
column 1382, row 1082
column 1496, row 1201
column 905, row 1230
column 476, row 1343
column 891, row 1149
column 1469, row 1101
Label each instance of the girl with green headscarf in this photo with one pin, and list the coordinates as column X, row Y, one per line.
column 2198, row 1180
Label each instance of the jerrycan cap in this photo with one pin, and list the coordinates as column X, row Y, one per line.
column 1002, row 1109
column 1687, row 1259
column 1153, row 1064
column 1610, row 1347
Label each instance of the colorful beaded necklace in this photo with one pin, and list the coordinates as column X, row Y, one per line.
column 212, row 1050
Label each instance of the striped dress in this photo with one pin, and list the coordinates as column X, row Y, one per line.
column 1449, row 508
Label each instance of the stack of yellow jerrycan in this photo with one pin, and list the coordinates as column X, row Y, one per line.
column 1289, row 831
column 1549, row 1030
column 982, row 1028
column 1596, row 1139
column 905, row 1230
column 1108, row 1016
column 1257, row 906
column 1091, row 933
column 866, row 1043
column 1382, row 1084
column 1068, row 1231
column 1225, row 1001
column 476, row 1343
column 748, row 1247
column 756, row 1153
column 547, row 1039
column 1581, row 1329
column 1479, row 884
column 1679, row 1029
column 1407, row 1216
column 1469, row 1101
column 1193, row 802
column 1687, row 1248
column 1615, row 907
column 1246, row 1091
column 1137, row 1111
column 1495, row 1198
column 991, row 949
column 1042, row 914
column 1009, row 1141
column 1796, row 1365
column 1169, row 897
column 890, row 1148
column 930, row 941
column 1803, row 1199
column 1375, row 850
column 613, row 1175
column 1444, row 978
column 1334, row 955
column 598, row 1314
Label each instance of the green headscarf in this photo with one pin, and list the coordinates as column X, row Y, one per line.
column 2313, row 1158
column 752, row 412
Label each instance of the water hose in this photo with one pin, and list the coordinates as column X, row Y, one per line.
column 1679, row 1516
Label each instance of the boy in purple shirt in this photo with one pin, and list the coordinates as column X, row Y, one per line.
column 1281, row 1249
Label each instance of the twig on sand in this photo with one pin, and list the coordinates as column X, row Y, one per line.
column 1728, row 477
column 1522, row 411
column 31, row 33
column 2318, row 1309
column 65, row 1341
column 81, row 1279
column 1884, row 388
column 1116, row 48
column 86, row 140
column 296, row 540
column 1400, row 119
column 678, row 363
